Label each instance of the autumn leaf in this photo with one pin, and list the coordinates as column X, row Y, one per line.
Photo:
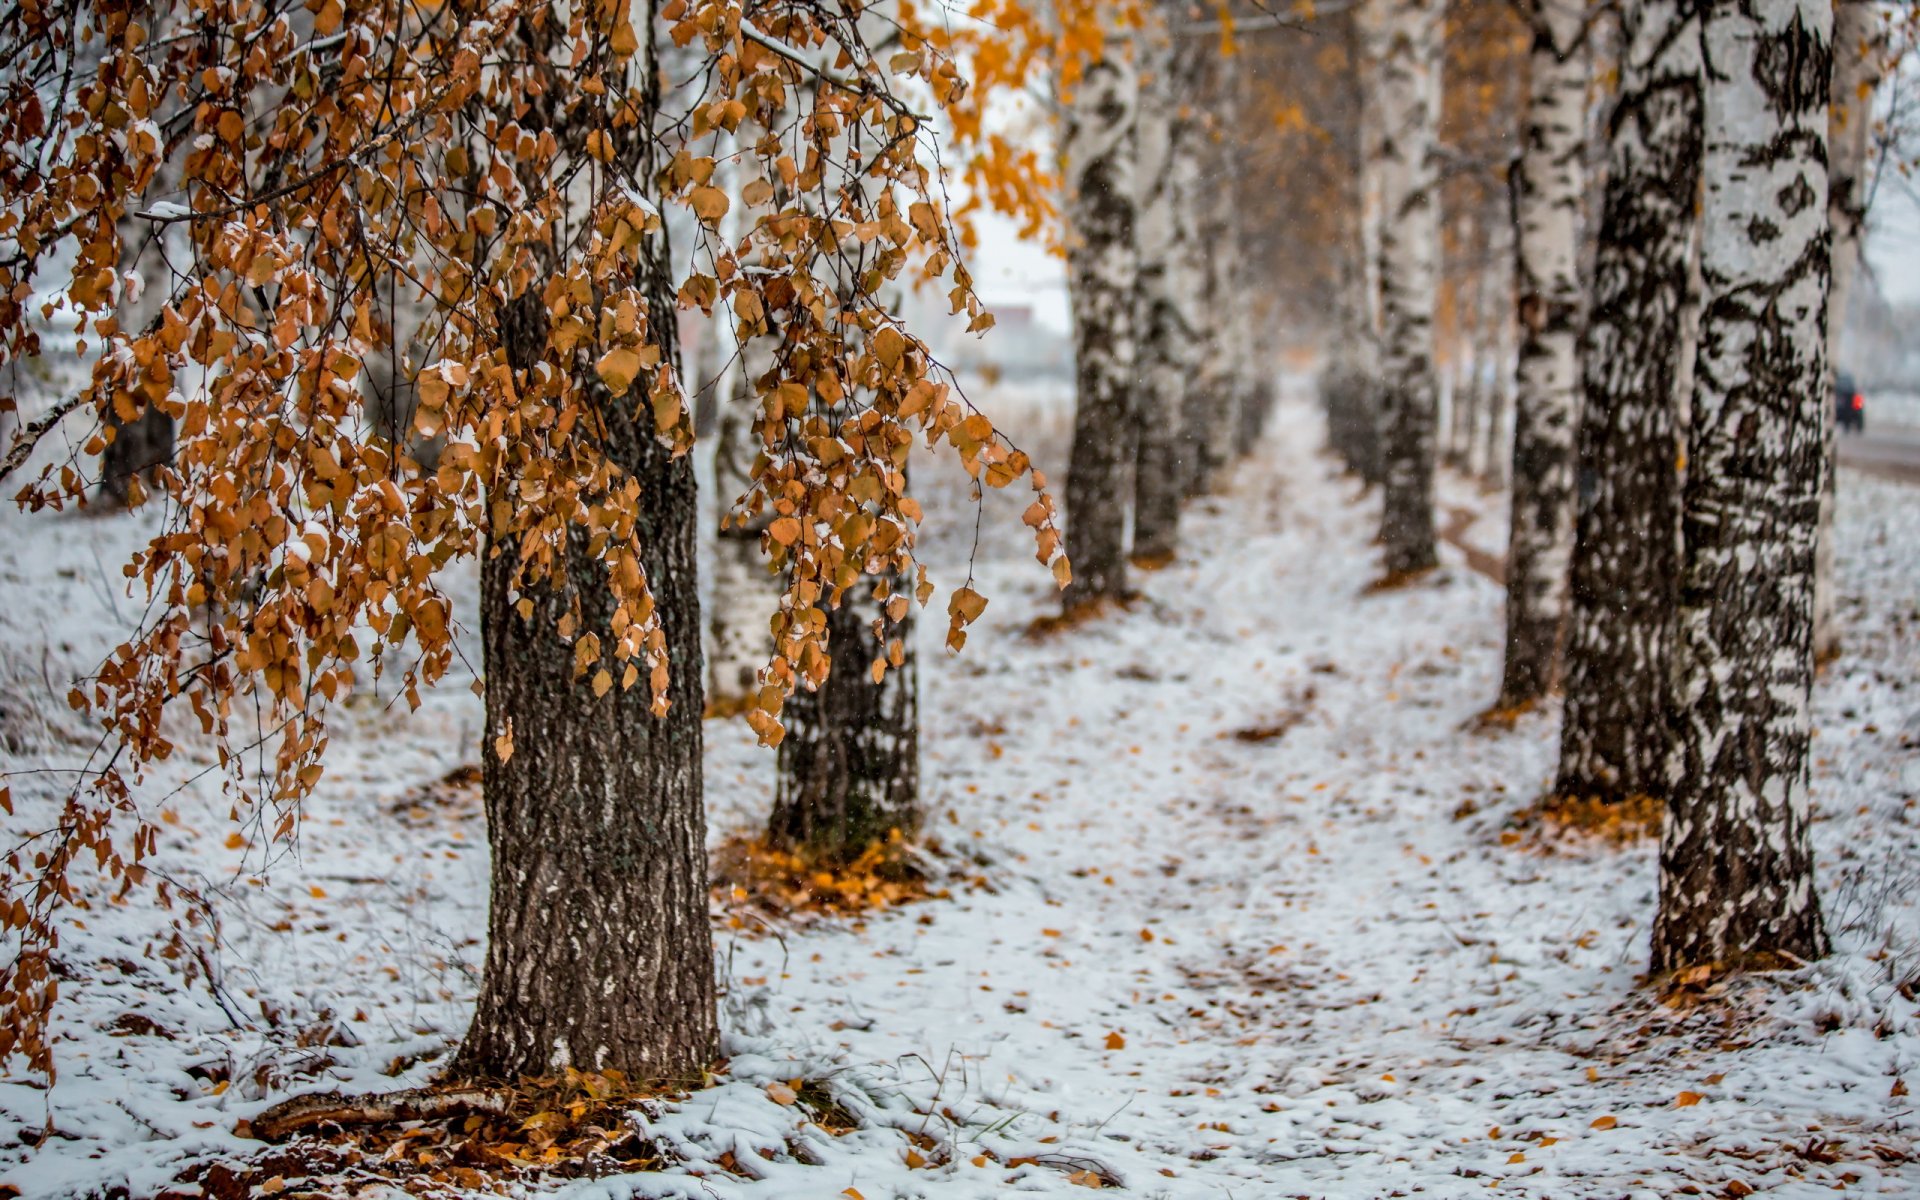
column 710, row 204
column 617, row 368
column 1116, row 1042
column 1604, row 1122
column 1687, row 1099
column 966, row 605
column 781, row 1094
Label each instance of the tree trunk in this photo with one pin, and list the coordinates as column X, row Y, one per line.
column 1169, row 299
column 1407, row 41
column 1736, row 863
column 1099, row 154
column 1857, row 53
column 745, row 592
column 1613, row 744
column 145, row 441
column 850, row 761
column 1549, row 187
column 599, row 956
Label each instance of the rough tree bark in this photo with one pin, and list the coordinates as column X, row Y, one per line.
column 1549, row 186
column 1857, row 65
column 1169, row 301
column 599, row 954
column 1100, row 160
column 1613, row 744
column 1736, row 863
column 1405, row 49
column 850, row 761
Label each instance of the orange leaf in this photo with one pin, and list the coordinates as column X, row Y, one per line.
column 1604, row 1122
column 781, row 1094
column 1687, row 1099
column 1116, row 1042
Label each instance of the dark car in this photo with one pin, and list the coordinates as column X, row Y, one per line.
column 1850, row 407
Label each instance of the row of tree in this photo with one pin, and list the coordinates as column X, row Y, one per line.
column 1682, row 245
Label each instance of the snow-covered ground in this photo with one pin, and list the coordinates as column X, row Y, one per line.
column 1254, row 923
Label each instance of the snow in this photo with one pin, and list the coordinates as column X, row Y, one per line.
column 1332, row 966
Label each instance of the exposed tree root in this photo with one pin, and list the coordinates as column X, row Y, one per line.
column 301, row 1113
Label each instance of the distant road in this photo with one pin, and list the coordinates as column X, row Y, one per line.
column 1891, row 451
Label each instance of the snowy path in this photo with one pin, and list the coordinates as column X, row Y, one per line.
column 1252, row 929
column 1324, row 982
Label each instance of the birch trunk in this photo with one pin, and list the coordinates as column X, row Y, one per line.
column 1613, row 741
column 1407, row 40
column 745, row 592
column 1736, row 863
column 599, row 955
column 1549, row 187
column 1169, row 297
column 1100, row 161
column 850, row 760
column 1857, row 65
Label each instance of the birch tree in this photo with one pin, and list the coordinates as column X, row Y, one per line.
column 1858, row 62
column 1100, row 158
column 1736, row 863
column 1170, row 262
column 1404, row 41
column 1549, row 187
column 743, row 589
column 1613, row 740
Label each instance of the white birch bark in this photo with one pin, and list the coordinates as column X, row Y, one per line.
column 1857, row 66
column 1405, row 37
column 1167, row 238
column 744, row 589
column 1101, row 176
column 1736, row 864
column 1549, row 187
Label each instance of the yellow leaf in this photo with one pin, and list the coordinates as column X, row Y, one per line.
column 1604, row 1122
column 235, row 841
column 852, row 1194
column 966, row 605
column 915, row 1160
column 781, row 1094
column 503, row 745
column 617, row 367
column 318, row 893
column 710, row 203
column 624, row 41
column 785, row 531
column 1516, row 1158
column 1687, row 1099
column 602, row 681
